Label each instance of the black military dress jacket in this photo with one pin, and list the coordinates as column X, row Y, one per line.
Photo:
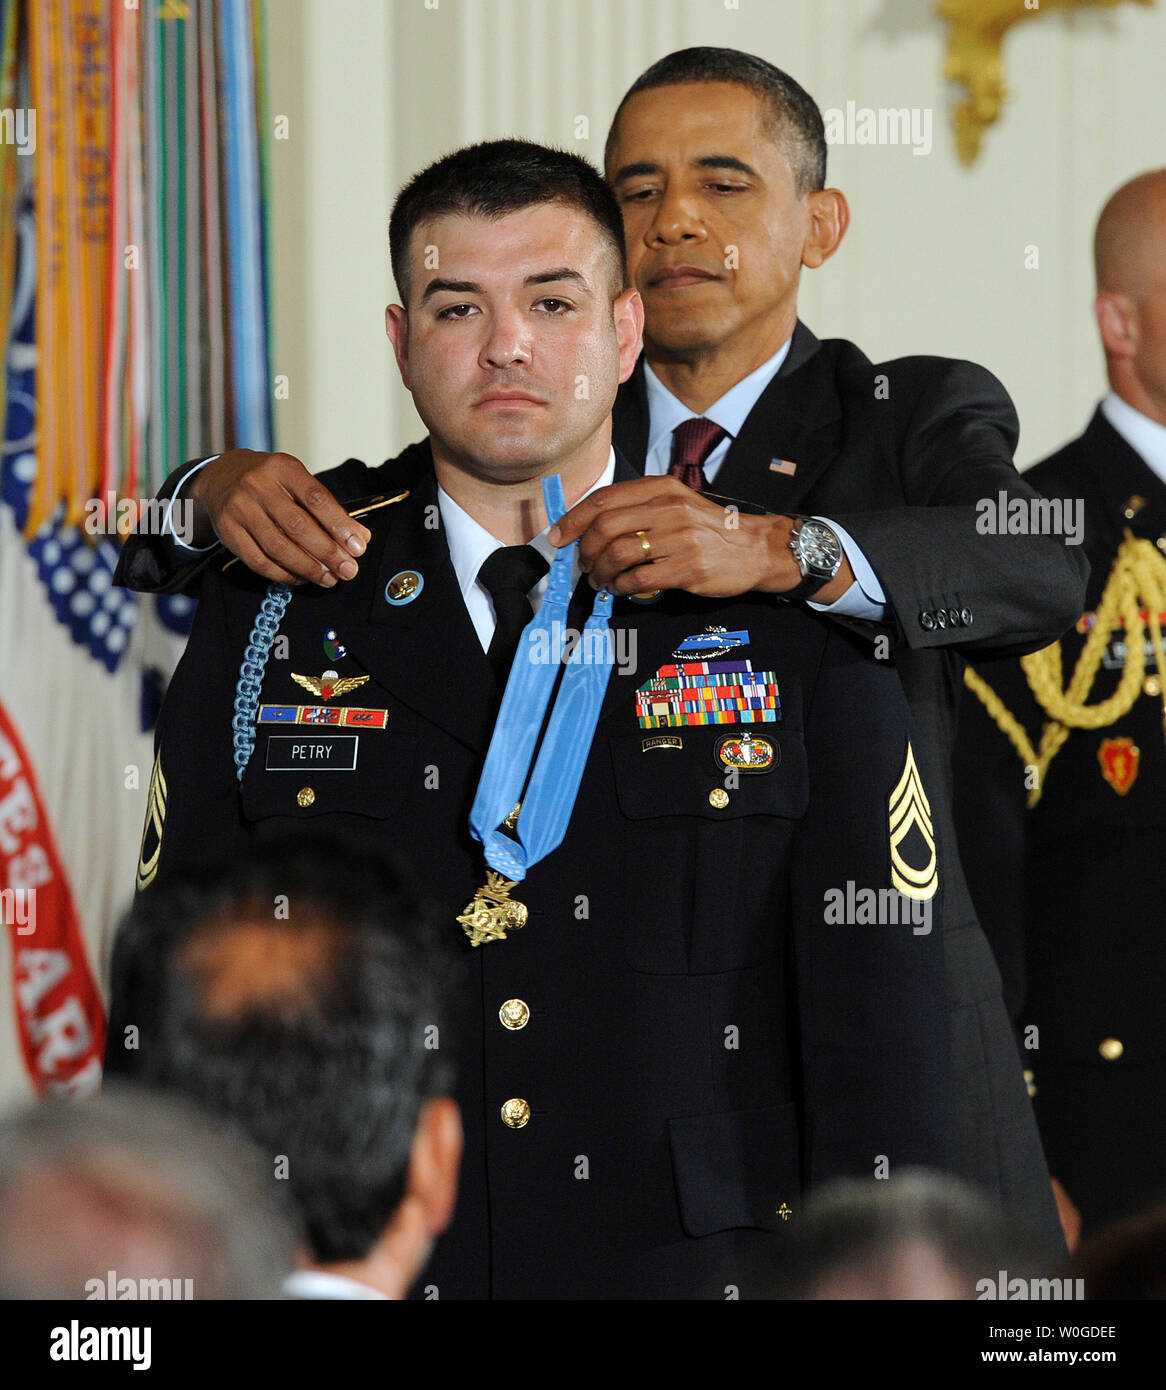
column 1072, row 890
column 705, row 1040
column 901, row 454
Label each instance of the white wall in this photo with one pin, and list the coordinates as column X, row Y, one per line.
column 933, row 262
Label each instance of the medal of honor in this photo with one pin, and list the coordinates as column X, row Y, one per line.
column 513, row 842
column 492, row 912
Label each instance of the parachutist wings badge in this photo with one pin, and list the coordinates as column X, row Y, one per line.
column 329, row 684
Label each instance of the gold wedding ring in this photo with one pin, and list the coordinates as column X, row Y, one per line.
column 648, row 594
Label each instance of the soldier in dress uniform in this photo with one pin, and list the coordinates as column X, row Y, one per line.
column 702, row 922
column 1062, row 767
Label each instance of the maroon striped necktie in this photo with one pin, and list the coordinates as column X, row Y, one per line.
column 692, row 442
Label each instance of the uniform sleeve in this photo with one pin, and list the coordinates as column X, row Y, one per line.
column 951, row 578
column 868, row 959
column 193, row 744
column 152, row 563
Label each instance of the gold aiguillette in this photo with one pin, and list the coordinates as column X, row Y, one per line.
column 492, row 912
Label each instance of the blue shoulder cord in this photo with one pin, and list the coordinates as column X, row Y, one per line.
column 250, row 681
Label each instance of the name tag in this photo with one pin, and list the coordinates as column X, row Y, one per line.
column 331, row 753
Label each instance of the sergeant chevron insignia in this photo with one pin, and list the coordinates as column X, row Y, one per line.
column 910, row 810
column 151, row 848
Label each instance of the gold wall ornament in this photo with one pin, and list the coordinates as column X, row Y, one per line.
column 975, row 58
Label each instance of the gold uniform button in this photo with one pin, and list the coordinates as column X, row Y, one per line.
column 719, row 798
column 516, row 1113
column 785, row 1212
column 1111, row 1049
column 305, row 796
column 1152, row 685
column 515, row 1014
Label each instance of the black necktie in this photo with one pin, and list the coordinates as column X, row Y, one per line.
column 508, row 575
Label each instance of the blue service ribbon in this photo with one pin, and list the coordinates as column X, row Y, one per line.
column 554, row 784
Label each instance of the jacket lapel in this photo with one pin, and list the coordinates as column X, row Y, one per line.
column 425, row 652
column 797, row 419
column 1120, row 474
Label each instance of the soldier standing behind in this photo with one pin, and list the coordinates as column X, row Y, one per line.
column 1063, row 844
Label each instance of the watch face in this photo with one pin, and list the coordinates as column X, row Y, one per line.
column 819, row 547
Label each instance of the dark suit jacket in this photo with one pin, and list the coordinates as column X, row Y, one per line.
column 705, row 1042
column 1071, row 892
column 900, row 454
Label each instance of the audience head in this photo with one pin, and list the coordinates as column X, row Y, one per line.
column 298, row 991
column 136, row 1195
column 1129, row 252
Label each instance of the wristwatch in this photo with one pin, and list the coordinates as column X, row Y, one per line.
column 818, row 552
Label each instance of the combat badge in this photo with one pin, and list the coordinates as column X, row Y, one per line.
column 713, row 642
column 492, row 911
column 1119, row 762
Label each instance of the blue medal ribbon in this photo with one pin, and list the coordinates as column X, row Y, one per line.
column 550, row 798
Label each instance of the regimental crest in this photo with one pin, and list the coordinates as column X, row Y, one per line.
column 330, row 684
column 914, row 869
column 1119, row 762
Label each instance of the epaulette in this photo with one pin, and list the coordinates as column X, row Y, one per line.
column 361, row 507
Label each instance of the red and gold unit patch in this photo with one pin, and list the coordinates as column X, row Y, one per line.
column 1119, row 763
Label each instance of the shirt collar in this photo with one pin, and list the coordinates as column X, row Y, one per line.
column 470, row 543
column 320, row 1283
column 1145, row 437
column 666, row 411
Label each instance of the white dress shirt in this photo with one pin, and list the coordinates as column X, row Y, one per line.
column 1145, row 437
column 318, row 1284
column 865, row 598
column 470, row 543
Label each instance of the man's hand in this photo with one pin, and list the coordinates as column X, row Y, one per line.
column 272, row 513
column 693, row 543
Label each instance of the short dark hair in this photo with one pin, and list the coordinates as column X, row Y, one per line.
column 327, row 1062
column 498, row 177
column 797, row 122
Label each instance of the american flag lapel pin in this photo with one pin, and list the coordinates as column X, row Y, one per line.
column 786, row 466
